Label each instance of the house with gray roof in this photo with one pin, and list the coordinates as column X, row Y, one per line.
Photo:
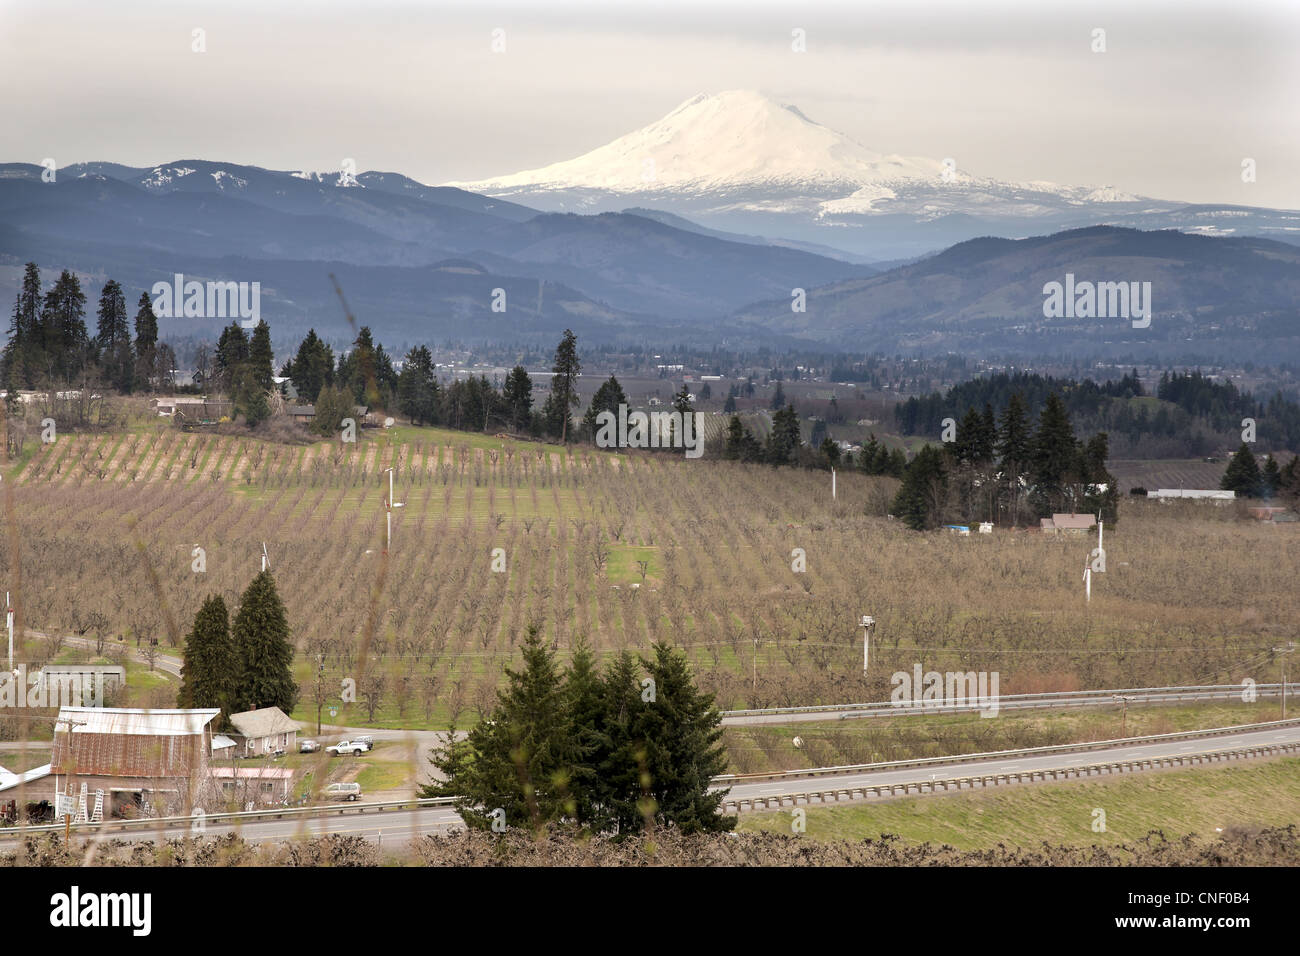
column 260, row 733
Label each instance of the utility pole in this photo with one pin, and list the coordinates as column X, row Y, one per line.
column 868, row 624
column 1123, row 726
column 389, row 505
column 9, row 623
column 1289, row 649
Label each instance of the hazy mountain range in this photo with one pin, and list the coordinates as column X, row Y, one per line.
column 745, row 162
column 716, row 215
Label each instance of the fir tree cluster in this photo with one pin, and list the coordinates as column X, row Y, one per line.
column 1008, row 469
column 610, row 751
column 244, row 666
column 1248, row 479
column 49, row 343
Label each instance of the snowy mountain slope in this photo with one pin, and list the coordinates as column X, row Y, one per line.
column 743, row 162
column 734, row 139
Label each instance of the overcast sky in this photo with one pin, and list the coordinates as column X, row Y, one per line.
column 1183, row 93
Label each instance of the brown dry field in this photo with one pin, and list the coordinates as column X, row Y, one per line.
column 107, row 523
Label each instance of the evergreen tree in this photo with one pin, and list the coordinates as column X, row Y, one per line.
column 117, row 357
column 356, row 370
column 1271, row 477
column 1093, row 475
column 896, row 464
column 146, row 343
column 517, row 396
column 1053, row 455
column 1242, row 474
column 1014, row 449
column 740, row 444
column 332, row 406
column 608, row 398
column 113, row 328
column 729, row 406
column 830, row 450
column 584, row 689
column 210, row 672
column 385, row 379
column 966, row 448
column 985, row 447
column 735, row 438
column 1289, row 479
column 13, row 360
column 522, row 757
column 784, row 440
column 312, row 368
column 232, row 353
column 417, row 387
column 621, row 757
column 24, row 355
column 778, row 397
column 261, row 638
column 681, row 731
column 66, row 342
column 261, row 359
column 564, row 385
column 868, row 461
column 917, row 500
column 249, row 397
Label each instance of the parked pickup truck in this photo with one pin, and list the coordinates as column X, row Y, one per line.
column 352, row 748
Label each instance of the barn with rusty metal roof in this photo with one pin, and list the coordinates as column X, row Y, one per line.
column 143, row 760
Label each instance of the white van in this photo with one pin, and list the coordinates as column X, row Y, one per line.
column 343, row 791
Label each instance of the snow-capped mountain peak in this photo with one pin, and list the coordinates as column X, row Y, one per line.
column 738, row 138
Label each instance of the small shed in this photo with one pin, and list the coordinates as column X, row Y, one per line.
column 1069, row 523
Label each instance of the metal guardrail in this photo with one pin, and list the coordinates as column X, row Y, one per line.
column 1025, row 701
column 1005, row 778
column 251, row 816
column 1082, row 746
column 739, row 804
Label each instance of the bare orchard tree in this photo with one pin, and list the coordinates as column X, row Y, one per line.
column 143, row 621
column 202, row 365
column 321, row 691
column 51, row 644
column 83, row 403
column 370, row 688
column 15, row 412
column 429, row 694
column 150, row 652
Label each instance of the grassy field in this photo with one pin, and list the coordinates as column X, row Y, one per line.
column 1179, row 802
column 110, row 523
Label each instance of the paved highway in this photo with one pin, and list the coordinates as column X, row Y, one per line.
column 398, row 826
column 1059, row 761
